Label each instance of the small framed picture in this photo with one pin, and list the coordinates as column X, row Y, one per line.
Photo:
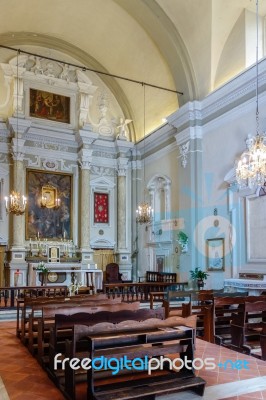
column 53, row 254
column 215, row 254
column 160, row 263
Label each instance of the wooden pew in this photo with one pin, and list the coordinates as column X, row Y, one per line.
column 63, row 326
column 188, row 302
column 223, row 310
column 212, row 308
column 245, row 331
column 47, row 319
column 33, row 306
column 39, row 293
column 263, row 341
column 131, row 340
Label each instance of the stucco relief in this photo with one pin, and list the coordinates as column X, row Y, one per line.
column 89, row 106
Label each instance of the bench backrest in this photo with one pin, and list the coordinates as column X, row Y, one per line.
column 31, row 300
column 258, row 306
column 236, row 300
column 51, row 310
column 80, row 331
column 64, row 321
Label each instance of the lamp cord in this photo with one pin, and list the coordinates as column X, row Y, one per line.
column 16, row 150
column 257, row 66
column 144, row 133
column 83, row 68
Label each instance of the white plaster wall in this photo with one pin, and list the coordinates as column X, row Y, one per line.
column 223, row 142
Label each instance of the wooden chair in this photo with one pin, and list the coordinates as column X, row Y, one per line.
column 112, row 273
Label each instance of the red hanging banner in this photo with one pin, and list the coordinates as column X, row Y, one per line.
column 101, row 208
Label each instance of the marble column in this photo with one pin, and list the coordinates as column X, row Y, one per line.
column 85, row 205
column 121, row 208
column 19, row 186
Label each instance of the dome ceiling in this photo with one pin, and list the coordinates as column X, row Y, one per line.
column 176, row 44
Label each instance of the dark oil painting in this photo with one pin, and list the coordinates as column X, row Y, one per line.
column 46, row 105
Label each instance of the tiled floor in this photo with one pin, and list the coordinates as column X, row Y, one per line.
column 24, row 379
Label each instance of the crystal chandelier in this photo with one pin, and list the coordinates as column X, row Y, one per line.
column 144, row 213
column 16, row 202
column 144, row 210
column 251, row 167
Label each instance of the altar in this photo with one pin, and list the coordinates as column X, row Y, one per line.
column 254, row 286
column 66, row 274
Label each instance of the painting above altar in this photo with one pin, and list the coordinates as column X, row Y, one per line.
column 43, row 222
column 52, row 106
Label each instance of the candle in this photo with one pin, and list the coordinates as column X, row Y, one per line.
column 38, row 235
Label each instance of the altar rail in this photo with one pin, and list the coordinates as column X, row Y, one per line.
column 9, row 295
column 139, row 291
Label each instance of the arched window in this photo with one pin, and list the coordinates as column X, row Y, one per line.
column 159, row 188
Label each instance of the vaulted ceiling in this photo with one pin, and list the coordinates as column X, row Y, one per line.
column 184, row 45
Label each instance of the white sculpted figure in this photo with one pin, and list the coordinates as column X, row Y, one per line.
column 122, row 129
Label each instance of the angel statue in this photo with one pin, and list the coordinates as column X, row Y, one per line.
column 122, row 129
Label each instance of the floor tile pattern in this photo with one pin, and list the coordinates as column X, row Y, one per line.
column 24, row 379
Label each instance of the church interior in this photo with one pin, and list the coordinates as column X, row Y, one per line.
column 133, row 166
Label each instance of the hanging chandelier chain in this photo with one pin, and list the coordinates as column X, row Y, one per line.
column 251, row 167
column 144, row 210
column 16, row 133
column 257, row 65
column 144, row 130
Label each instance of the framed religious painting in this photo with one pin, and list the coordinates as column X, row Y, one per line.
column 53, row 254
column 51, row 106
column 160, row 263
column 215, row 254
column 49, row 208
column 101, row 208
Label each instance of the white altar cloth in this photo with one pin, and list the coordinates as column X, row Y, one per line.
column 254, row 286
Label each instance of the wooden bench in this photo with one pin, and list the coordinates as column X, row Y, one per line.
column 47, row 319
column 214, row 315
column 263, row 341
column 63, row 326
column 33, row 306
column 149, row 338
column 224, row 308
column 185, row 303
column 37, row 293
column 246, row 326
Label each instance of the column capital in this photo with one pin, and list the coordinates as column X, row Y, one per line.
column 17, row 149
column 85, row 158
column 85, row 165
column 122, row 166
column 121, row 170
